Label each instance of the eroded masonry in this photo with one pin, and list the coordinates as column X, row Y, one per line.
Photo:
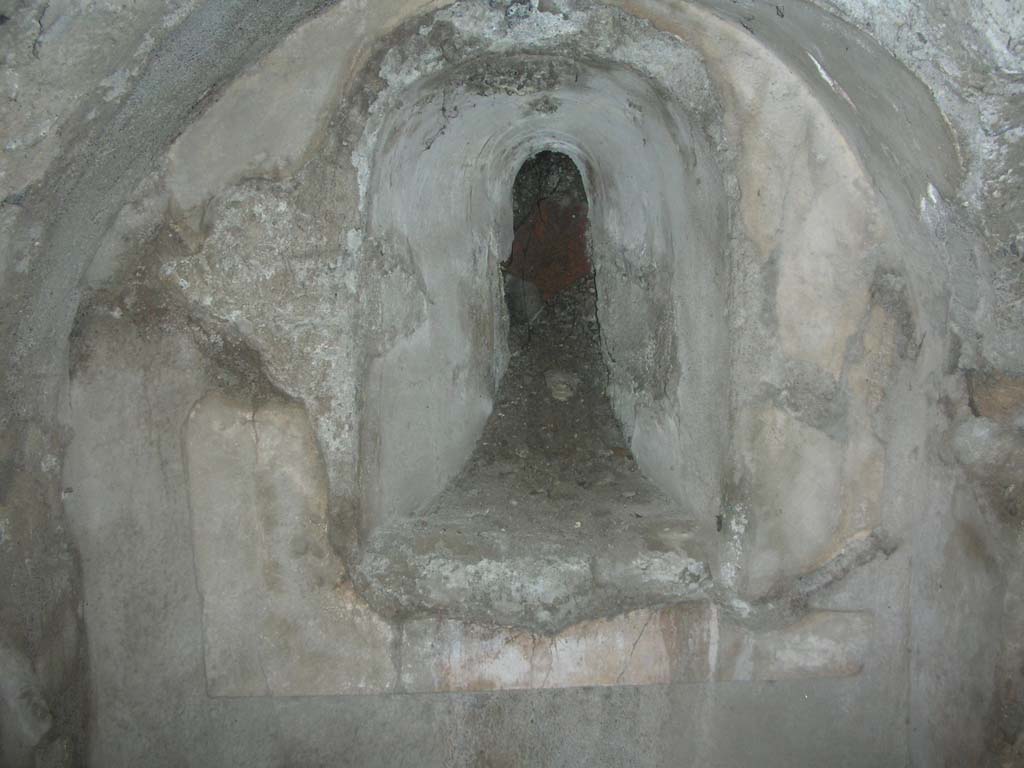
column 513, row 383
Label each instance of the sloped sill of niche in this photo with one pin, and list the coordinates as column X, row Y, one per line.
column 524, row 567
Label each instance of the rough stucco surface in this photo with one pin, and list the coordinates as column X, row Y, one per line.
column 970, row 55
column 871, row 270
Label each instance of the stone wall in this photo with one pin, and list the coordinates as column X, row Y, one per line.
column 834, row 373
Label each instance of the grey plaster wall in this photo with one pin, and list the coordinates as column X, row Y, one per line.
column 938, row 298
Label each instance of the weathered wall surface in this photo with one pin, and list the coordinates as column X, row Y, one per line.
column 860, row 293
column 971, row 55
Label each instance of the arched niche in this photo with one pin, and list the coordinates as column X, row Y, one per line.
column 437, row 198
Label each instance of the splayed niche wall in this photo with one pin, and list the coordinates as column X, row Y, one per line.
column 438, row 202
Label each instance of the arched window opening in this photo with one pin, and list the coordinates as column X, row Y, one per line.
column 553, row 417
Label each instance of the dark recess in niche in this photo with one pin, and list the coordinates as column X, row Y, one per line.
column 553, row 405
column 549, row 252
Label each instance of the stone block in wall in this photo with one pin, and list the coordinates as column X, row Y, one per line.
column 869, row 376
column 824, row 644
column 862, row 485
column 279, row 617
column 643, row 647
column 993, row 455
column 793, row 472
column 685, row 643
column 996, row 396
column 266, row 121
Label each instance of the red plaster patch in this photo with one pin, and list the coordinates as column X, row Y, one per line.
column 550, row 247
